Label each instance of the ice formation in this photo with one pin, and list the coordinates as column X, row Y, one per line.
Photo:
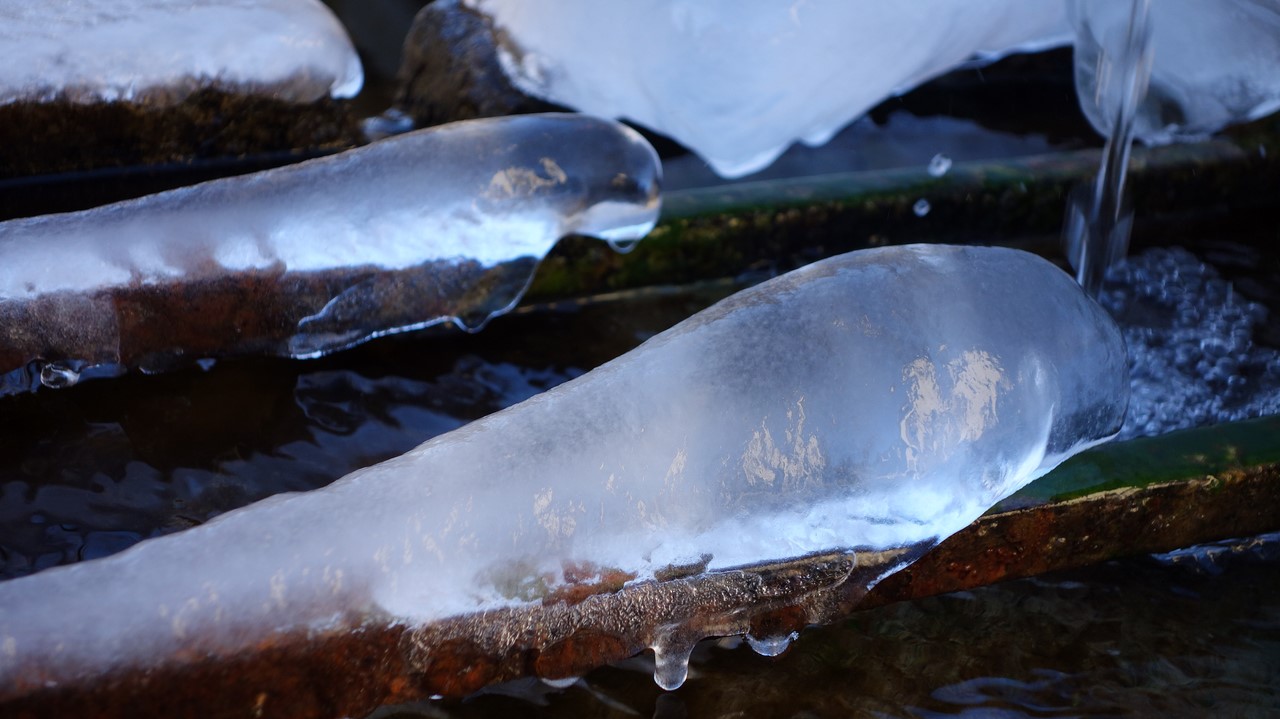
column 1215, row 62
column 158, row 51
column 738, row 82
column 443, row 223
column 880, row 399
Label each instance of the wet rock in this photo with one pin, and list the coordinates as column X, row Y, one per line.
column 451, row 71
column 61, row 136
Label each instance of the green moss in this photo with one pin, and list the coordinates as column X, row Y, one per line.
column 1188, row 454
column 774, row 226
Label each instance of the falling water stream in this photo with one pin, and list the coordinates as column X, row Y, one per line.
column 1098, row 220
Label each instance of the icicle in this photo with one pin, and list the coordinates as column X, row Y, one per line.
column 880, row 400
column 442, row 224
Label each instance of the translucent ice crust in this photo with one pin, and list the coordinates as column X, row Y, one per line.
column 442, row 224
column 159, row 51
column 880, row 399
column 738, row 82
column 1214, row 63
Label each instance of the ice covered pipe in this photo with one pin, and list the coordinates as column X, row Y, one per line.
column 159, row 51
column 876, row 400
column 442, row 224
column 738, row 82
column 1213, row 63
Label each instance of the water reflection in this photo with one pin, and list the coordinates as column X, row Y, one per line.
column 91, row 470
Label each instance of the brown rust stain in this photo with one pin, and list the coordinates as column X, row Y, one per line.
column 579, row 653
column 333, row 675
column 1092, row 529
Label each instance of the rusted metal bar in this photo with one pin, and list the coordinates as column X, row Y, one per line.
column 1141, row 496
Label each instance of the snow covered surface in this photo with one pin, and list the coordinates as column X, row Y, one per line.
column 158, row 51
column 879, row 399
column 451, row 201
column 1215, row 62
column 738, row 82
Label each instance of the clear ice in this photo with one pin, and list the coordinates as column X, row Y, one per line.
column 444, row 223
column 739, row 82
column 1215, row 62
column 879, row 399
column 159, row 51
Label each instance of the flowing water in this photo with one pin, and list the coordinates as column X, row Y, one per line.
column 1098, row 219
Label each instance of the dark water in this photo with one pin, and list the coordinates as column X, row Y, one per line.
column 94, row 469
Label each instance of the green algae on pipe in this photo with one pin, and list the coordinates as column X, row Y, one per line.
column 775, row 225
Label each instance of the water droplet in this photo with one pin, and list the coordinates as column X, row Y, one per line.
column 58, row 376
column 921, row 208
column 623, row 246
column 671, row 663
column 939, row 165
column 392, row 122
column 564, row 683
column 771, row 646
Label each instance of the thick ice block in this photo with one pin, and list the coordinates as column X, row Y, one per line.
column 442, row 224
column 159, row 51
column 881, row 399
column 738, row 82
column 1215, row 62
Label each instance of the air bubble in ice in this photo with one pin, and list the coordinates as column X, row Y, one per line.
column 939, row 165
column 921, row 208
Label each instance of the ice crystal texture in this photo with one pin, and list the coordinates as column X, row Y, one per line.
column 1215, row 62
column 879, row 399
column 738, row 82
column 444, row 223
column 158, row 51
